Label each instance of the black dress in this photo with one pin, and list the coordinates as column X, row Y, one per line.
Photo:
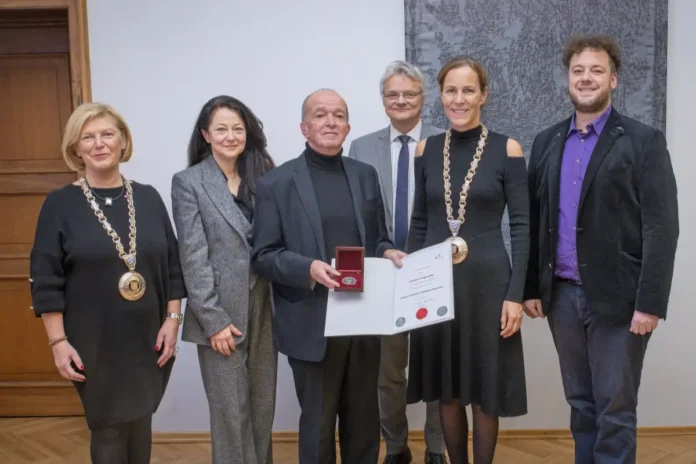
column 467, row 359
column 75, row 269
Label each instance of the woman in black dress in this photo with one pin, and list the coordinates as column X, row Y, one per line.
column 464, row 179
column 106, row 280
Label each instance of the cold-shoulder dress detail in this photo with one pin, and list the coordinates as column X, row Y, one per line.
column 467, row 359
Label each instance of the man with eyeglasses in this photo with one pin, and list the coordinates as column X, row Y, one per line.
column 391, row 151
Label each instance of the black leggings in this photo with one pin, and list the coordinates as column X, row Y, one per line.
column 127, row 443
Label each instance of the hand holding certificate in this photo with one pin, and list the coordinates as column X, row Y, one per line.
column 393, row 299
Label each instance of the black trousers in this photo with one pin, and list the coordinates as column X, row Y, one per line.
column 343, row 385
column 601, row 365
column 126, row 443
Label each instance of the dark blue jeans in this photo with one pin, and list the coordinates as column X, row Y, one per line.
column 601, row 364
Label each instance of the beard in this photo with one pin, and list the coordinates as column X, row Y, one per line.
column 591, row 106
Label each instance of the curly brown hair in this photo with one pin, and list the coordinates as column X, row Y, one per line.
column 595, row 42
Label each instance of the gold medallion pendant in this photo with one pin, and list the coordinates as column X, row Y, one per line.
column 460, row 249
column 132, row 284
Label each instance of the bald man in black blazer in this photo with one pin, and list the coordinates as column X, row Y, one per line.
column 304, row 209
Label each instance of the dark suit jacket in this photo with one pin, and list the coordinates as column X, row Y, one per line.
column 287, row 237
column 627, row 225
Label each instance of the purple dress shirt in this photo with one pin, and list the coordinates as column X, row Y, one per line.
column 576, row 156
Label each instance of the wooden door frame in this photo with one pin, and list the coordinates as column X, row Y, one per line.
column 57, row 398
column 80, row 77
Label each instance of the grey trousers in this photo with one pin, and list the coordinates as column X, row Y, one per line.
column 241, row 389
column 392, row 400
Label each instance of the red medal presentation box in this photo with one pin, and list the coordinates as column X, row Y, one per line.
column 350, row 262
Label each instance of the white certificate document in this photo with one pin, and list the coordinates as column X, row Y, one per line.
column 393, row 299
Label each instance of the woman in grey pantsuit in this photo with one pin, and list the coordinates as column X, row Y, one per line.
column 228, row 313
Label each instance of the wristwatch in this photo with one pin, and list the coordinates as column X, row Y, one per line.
column 179, row 317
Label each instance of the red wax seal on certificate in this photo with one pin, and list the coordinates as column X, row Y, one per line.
column 421, row 313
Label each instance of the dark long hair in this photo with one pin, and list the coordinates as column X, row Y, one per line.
column 253, row 162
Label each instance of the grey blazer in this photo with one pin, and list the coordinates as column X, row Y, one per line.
column 214, row 251
column 375, row 149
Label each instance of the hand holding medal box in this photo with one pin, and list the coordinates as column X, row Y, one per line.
column 393, row 299
column 350, row 262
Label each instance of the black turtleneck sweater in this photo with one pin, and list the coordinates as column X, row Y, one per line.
column 334, row 200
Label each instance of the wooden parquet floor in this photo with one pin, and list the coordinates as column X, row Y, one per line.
column 66, row 440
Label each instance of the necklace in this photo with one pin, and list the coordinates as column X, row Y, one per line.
column 108, row 201
column 132, row 284
column 460, row 249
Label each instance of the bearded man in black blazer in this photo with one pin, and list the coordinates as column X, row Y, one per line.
column 304, row 209
column 604, row 228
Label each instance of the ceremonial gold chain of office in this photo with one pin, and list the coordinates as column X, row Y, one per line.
column 132, row 284
column 460, row 249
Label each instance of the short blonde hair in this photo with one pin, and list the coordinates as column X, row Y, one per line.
column 81, row 116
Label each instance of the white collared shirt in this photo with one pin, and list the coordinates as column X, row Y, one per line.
column 394, row 134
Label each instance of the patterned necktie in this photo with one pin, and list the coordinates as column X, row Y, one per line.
column 401, row 202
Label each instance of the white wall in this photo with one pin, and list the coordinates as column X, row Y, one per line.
column 158, row 62
column 670, row 376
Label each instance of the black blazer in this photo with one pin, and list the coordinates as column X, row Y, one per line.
column 287, row 237
column 627, row 225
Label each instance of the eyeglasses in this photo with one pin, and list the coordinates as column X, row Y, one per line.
column 409, row 96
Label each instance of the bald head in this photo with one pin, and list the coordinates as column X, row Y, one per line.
column 319, row 95
column 325, row 121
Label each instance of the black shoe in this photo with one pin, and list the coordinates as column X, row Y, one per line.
column 402, row 458
column 432, row 458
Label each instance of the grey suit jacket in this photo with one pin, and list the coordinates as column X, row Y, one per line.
column 288, row 237
column 214, row 251
column 375, row 149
